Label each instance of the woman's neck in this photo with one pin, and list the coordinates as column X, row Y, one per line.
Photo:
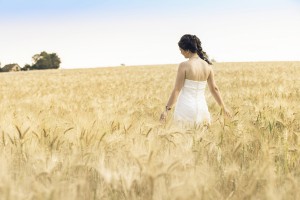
column 193, row 55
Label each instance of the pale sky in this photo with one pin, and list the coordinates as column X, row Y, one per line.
column 90, row 33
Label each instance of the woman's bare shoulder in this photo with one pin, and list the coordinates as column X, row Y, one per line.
column 210, row 67
column 184, row 64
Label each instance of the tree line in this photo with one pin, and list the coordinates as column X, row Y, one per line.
column 41, row 61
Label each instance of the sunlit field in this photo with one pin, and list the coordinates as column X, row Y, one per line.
column 95, row 134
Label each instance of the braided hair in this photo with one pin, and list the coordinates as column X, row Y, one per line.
column 193, row 44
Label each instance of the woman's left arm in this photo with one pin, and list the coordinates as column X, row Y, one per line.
column 178, row 85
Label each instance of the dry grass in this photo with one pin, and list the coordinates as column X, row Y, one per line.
column 94, row 134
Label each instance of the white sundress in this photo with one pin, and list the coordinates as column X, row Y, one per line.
column 191, row 105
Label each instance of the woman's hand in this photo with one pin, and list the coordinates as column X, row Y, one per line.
column 226, row 112
column 163, row 116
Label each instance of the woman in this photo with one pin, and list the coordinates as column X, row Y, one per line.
column 192, row 77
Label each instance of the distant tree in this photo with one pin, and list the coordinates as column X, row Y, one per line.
column 45, row 61
column 26, row 67
column 213, row 60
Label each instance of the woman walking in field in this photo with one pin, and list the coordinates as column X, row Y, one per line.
column 191, row 80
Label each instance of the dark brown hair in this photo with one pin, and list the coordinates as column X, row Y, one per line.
column 193, row 44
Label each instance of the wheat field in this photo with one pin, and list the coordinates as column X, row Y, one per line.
column 95, row 134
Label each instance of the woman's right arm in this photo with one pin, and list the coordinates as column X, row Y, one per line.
column 214, row 90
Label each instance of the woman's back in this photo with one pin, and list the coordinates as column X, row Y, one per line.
column 197, row 69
